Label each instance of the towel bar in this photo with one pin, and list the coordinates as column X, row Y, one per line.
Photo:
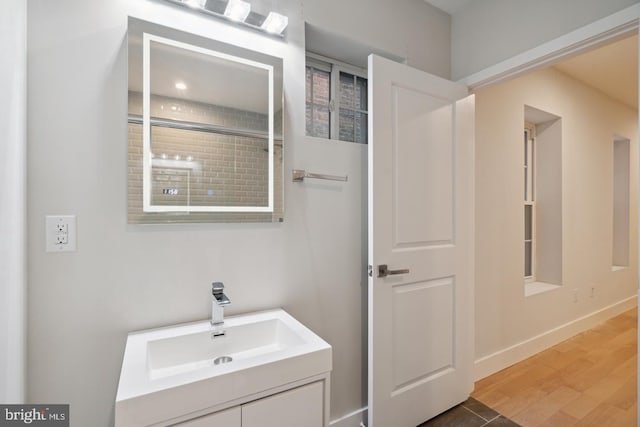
column 299, row 175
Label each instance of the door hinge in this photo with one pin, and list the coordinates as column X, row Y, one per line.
column 370, row 271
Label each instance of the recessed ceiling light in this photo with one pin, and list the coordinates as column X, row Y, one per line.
column 181, row 86
column 275, row 23
column 237, row 10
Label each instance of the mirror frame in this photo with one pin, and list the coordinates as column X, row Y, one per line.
column 139, row 206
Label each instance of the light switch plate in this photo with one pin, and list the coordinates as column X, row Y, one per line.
column 60, row 233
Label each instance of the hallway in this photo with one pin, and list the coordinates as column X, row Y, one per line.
column 588, row 380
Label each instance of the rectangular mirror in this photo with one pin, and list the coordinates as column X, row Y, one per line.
column 205, row 129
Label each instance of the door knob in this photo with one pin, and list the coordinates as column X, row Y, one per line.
column 383, row 271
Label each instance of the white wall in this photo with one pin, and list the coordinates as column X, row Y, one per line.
column 124, row 277
column 504, row 316
column 13, row 147
column 489, row 31
column 409, row 29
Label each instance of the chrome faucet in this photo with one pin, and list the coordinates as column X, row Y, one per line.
column 218, row 301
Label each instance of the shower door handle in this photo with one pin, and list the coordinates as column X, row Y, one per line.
column 383, row 271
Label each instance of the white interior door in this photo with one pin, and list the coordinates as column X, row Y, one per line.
column 421, row 187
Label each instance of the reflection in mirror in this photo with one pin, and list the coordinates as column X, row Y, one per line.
column 205, row 130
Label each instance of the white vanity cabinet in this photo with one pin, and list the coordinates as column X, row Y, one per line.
column 301, row 406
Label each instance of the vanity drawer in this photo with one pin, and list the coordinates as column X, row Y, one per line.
column 302, row 406
column 228, row 418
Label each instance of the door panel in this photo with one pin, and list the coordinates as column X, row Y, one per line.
column 422, row 316
column 420, row 225
column 422, row 165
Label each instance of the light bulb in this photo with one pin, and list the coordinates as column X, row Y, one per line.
column 196, row 4
column 275, row 23
column 237, row 10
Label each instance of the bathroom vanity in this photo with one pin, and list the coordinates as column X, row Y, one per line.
column 299, row 406
column 268, row 370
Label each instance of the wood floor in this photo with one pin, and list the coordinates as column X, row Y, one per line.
column 588, row 380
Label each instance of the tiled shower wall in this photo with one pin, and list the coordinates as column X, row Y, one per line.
column 205, row 168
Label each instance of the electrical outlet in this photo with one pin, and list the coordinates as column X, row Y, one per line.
column 62, row 238
column 60, row 233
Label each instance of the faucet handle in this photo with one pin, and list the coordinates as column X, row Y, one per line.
column 217, row 287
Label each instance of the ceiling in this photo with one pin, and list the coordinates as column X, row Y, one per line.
column 612, row 69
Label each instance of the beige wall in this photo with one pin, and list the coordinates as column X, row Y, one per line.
column 590, row 120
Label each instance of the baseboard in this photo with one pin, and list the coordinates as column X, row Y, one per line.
column 502, row 359
column 353, row 419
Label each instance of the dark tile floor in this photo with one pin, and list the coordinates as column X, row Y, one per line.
column 470, row 413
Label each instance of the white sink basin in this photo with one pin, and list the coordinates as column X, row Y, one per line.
column 192, row 350
column 169, row 373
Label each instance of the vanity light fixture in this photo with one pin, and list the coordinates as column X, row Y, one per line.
column 239, row 11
